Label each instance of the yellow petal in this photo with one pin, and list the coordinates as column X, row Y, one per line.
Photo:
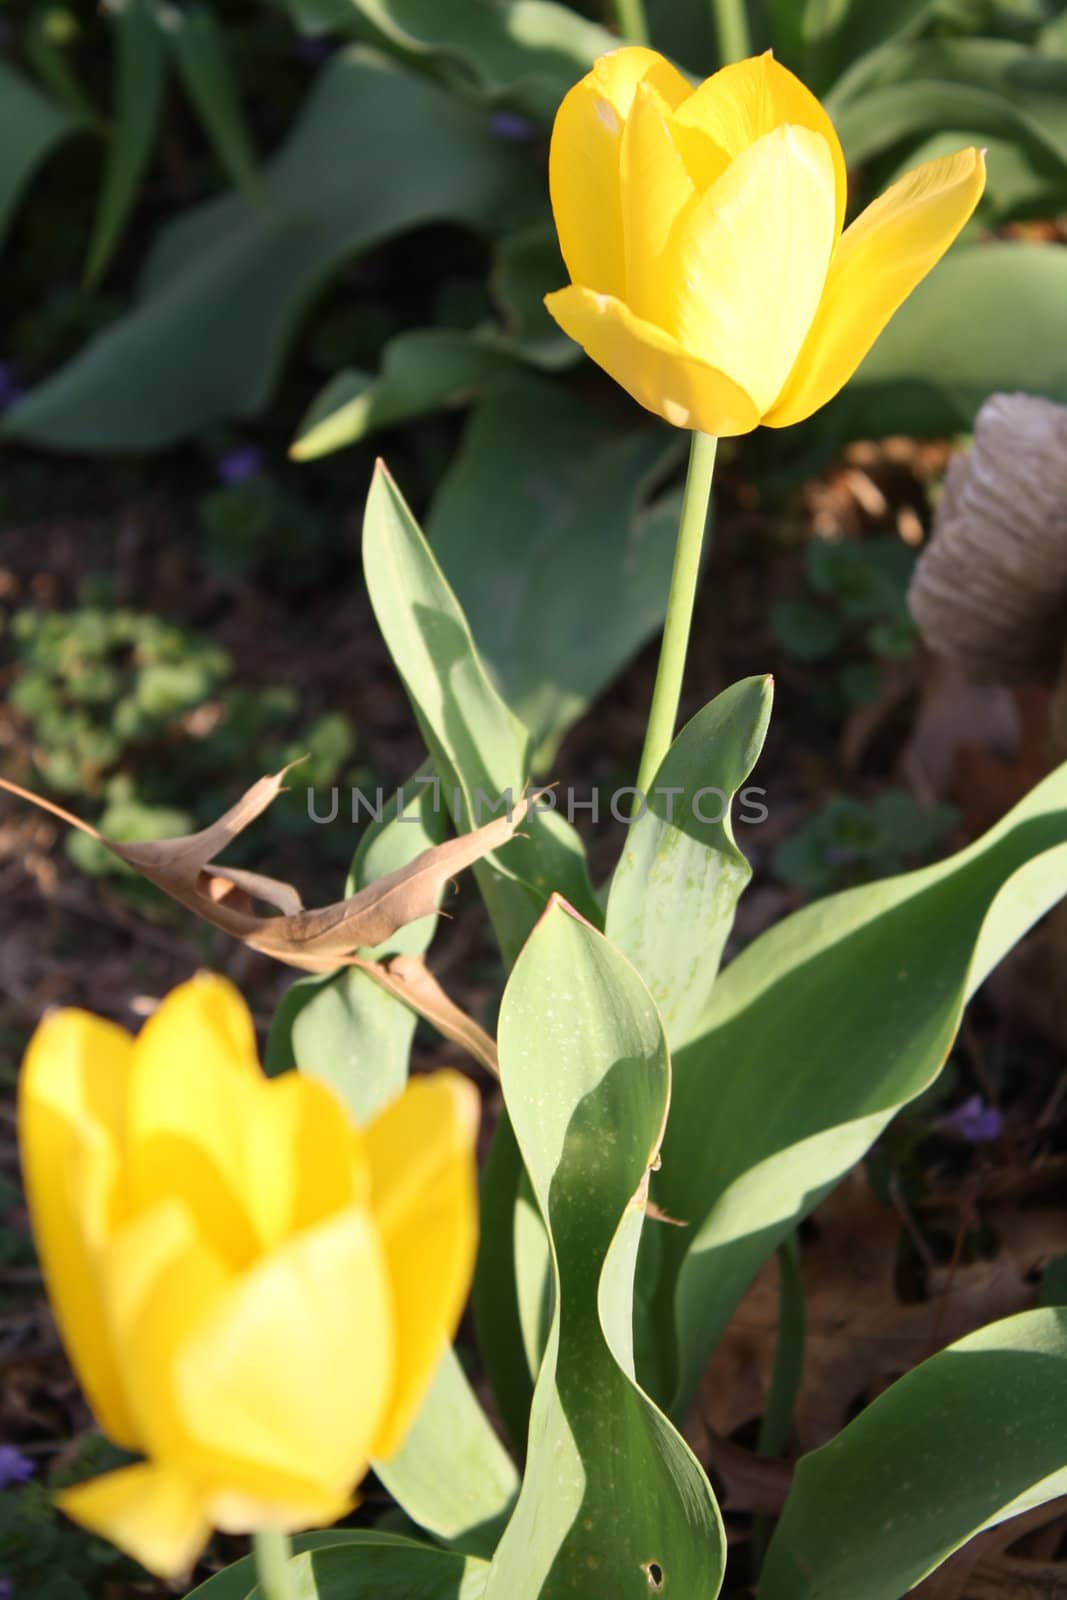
column 741, row 103
column 583, row 162
column 748, row 261
column 303, row 1157
column 161, row 1282
column 655, row 189
column 425, row 1203
column 196, row 1074
column 878, row 262
column 293, row 1368
column 154, row 1515
column 651, row 365
column 71, row 1111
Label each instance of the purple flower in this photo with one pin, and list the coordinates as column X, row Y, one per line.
column 313, row 51
column 509, row 125
column 7, row 1589
column 14, row 1467
column 974, row 1121
column 10, row 387
column 240, row 464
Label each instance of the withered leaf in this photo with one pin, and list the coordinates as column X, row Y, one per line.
column 320, row 939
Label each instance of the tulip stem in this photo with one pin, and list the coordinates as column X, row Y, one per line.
column 633, row 24
column 663, row 713
column 732, row 30
column 271, row 1550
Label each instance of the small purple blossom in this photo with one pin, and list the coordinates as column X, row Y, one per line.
column 974, row 1121
column 240, row 464
column 509, row 125
column 313, row 51
column 14, row 1468
column 10, row 387
column 7, row 1589
column 838, row 855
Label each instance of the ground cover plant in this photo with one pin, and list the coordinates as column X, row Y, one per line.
column 664, row 823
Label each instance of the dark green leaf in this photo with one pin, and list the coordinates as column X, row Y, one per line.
column 967, row 1439
column 32, row 126
column 140, row 73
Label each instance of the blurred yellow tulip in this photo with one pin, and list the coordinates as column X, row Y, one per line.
column 253, row 1292
column 702, row 230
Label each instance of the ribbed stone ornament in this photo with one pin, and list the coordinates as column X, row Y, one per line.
column 990, row 588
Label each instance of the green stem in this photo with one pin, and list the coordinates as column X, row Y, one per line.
column 633, row 24
column 731, row 30
column 787, row 1374
column 663, row 713
column 271, row 1551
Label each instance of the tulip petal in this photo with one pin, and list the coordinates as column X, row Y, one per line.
column 154, row 1515
column 162, row 1281
column 425, row 1204
column 303, row 1156
column 651, row 365
column 71, row 1111
column 878, row 262
column 294, row 1367
column 196, row 1074
column 748, row 261
column 743, row 102
column 656, row 188
column 583, row 162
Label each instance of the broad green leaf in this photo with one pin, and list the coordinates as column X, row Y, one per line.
column 422, row 371
column 237, row 1580
column 541, row 525
column 425, row 369
column 969, row 1438
column 452, row 1475
column 199, row 49
column 951, row 344
column 613, row 1503
column 361, row 1565
column 479, row 747
column 838, row 34
column 529, row 52
column 508, row 1279
column 31, row 125
column 140, row 74
column 224, row 284
column 814, row 1038
column 680, row 875
column 999, row 88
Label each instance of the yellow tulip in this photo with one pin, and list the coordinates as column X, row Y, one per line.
column 702, row 230
column 253, row 1291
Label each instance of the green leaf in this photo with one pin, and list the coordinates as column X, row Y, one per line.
column 32, row 127
column 529, row 52
column 680, row 875
column 422, row 371
column 224, row 284
column 140, row 73
column 480, row 749
column 951, row 345
column 612, row 1501
column 236, row 1580
column 452, row 1475
column 507, row 1271
column 360, row 1565
column 840, row 33
column 999, row 88
column 814, row 1038
column 540, row 525
column 199, row 49
column 967, row 1439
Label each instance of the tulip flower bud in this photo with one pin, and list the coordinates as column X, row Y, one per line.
column 702, row 229
column 253, row 1292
